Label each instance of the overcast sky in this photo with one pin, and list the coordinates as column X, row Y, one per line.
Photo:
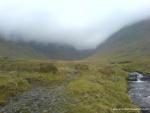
column 81, row 23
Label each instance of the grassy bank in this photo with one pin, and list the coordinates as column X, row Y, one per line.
column 100, row 89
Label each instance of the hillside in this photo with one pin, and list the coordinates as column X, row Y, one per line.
column 22, row 49
column 130, row 42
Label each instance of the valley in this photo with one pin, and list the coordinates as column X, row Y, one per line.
column 48, row 79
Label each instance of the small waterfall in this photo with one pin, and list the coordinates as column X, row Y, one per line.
column 135, row 76
column 139, row 76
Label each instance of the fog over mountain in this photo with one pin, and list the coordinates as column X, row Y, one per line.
column 83, row 24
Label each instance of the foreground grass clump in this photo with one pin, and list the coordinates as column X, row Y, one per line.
column 10, row 86
column 45, row 68
column 99, row 90
column 17, row 76
column 81, row 67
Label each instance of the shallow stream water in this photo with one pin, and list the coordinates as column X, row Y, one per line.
column 139, row 90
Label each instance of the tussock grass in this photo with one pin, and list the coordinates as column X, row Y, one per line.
column 99, row 90
column 17, row 76
column 10, row 86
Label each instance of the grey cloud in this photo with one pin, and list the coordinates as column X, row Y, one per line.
column 81, row 23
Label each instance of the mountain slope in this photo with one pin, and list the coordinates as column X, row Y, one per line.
column 22, row 49
column 14, row 49
column 131, row 41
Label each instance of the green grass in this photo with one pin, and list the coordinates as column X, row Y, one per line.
column 10, row 86
column 97, row 87
column 18, row 76
column 94, row 91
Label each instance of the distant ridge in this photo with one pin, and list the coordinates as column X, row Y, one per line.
column 22, row 49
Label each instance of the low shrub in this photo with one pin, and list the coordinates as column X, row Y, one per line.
column 81, row 67
column 45, row 68
column 106, row 71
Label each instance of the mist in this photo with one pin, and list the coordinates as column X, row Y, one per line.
column 83, row 24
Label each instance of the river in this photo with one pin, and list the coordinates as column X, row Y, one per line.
column 139, row 90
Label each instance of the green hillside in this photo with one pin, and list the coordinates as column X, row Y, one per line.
column 130, row 42
column 16, row 50
column 128, row 49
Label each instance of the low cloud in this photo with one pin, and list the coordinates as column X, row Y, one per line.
column 83, row 24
